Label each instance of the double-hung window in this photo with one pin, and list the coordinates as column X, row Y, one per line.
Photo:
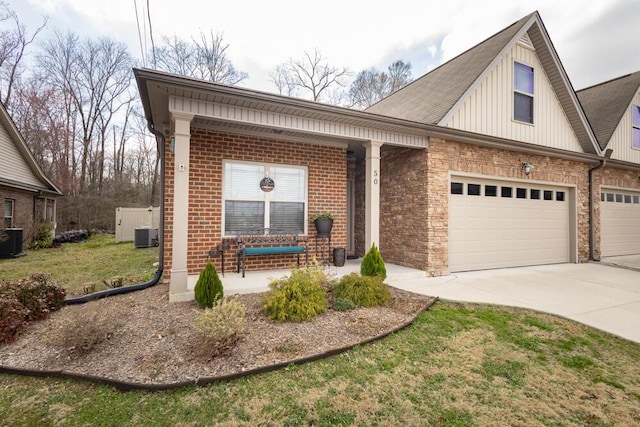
column 636, row 127
column 8, row 213
column 250, row 206
column 522, row 93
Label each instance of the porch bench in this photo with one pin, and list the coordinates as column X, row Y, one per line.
column 266, row 241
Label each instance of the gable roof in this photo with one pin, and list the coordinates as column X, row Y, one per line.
column 430, row 98
column 19, row 168
column 606, row 103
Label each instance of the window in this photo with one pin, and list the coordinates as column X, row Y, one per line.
column 506, row 191
column 609, row 197
column 521, row 193
column 547, row 195
column 627, row 198
column 618, row 198
column 602, row 197
column 8, row 213
column 522, row 93
column 636, row 200
column 636, row 127
column 456, row 188
column 490, row 191
column 473, row 189
column 247, row 207
column 560, row 196
column 535, row 194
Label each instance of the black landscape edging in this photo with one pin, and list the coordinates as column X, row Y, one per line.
column 115, row 291
column 128, row 386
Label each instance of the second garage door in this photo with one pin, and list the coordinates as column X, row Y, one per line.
column 495, row 224
column 619, row 222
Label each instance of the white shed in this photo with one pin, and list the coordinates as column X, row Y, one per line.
column 128, row 219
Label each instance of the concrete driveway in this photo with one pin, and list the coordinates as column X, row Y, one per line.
column 601, row 295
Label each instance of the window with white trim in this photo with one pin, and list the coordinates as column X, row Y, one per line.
column 247, row 207
column 636, row 127
column 522, row 93
column 9, row 208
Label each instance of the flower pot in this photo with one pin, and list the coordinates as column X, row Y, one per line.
column 323, row 227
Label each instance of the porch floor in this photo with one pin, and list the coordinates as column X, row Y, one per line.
column 258, row 281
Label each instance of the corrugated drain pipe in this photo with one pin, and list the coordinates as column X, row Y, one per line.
column 592, row 231
column 160, row 141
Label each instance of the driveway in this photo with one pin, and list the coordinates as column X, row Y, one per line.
column 601, row 295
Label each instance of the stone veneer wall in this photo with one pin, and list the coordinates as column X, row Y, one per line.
column 610, row 177
column 327, row 168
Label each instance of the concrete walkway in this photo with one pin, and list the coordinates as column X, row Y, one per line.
column 596, row 294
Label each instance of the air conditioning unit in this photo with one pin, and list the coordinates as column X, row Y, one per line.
column 11, row 243
column 146, row 237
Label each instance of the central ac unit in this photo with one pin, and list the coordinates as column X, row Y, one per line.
column 146, row 237
column 11, row 243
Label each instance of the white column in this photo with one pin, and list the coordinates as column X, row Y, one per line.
column 178, row 290
column 372, row 194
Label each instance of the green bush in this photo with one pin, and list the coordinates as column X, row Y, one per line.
column 12, row 318
column 208, row 288
column 43, row 237
column 298, row 297
column 222, row 325
column 373, row 264
column 343, row 304
column 38, row 294
column 366, row 291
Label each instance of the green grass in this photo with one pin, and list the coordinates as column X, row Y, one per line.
column 86, row 264
column 456, row 365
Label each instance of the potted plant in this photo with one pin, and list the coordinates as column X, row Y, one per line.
column 323, row 223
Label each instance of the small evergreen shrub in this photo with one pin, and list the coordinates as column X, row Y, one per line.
column 365, row 291
column 43, row 237
column 298, row 297
column 373, row 264
column 343, row 304
column 208, row 288
column 12, row 318
column 222, row 325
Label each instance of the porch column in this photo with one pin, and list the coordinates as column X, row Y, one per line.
column 372, row 194
column 178, row 290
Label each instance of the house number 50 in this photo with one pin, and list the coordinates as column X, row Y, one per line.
column 375, row 177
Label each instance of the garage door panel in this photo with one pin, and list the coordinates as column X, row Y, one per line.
column 495, row 232
column 619, row 222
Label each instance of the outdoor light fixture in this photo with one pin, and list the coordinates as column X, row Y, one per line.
column 526, row 168
column 172, row 145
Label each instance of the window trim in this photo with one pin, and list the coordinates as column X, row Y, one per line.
column 12, row 216
column 267, row 198
column 519, row 92
column 635, row 127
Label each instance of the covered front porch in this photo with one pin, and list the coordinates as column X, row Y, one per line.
column 258, row 280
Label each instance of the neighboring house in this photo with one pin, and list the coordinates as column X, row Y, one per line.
column 27, row 195
column 482, row 163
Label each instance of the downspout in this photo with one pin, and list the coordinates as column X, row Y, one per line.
column 592, row 231
column 160, row 141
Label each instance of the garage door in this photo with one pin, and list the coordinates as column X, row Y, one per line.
column 495, row 224
column 619, row 222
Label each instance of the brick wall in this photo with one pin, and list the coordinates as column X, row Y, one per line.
column 327, row 182
column 23, row 211
column 610, row 177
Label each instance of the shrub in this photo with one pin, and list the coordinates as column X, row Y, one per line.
column 43, row 236
column 298, row 297
column 373, row 264
column 208, row 288
column 343, row 304
column 366, row 291
column 38, row 294
column 222, row 325
column 12, row 318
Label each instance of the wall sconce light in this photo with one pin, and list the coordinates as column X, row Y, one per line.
column 172, row 145
column 526, row 168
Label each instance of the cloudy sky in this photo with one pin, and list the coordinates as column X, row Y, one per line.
column 596, row 40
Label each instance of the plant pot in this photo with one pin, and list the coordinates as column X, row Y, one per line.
column 323, row 227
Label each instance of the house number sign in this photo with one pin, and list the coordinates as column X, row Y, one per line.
column 375, row 177
column 267, row 184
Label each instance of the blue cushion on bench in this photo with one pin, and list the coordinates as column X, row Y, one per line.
column 274, row 250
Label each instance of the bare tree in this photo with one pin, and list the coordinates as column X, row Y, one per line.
column 310, row 74
column 370, row 86
column 13, row 44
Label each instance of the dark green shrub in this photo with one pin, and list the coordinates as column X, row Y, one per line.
column 12, row 318
column 366, row 291
column 373, row 264
column 208, row 288
column 343, row 304
column 43, row 237
column 298, row 297
column 38, row 294
column 221, row 325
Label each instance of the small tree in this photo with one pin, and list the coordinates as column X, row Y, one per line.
column 208, row 288
column 373, row 264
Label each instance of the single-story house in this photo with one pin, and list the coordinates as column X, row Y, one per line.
column 27, row 195
column 488, row 161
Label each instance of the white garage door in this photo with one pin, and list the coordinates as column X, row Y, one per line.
column 619, row 222
column 495, row 224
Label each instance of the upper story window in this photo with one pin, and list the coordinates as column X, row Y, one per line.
column 249, row 207
column 636, row 127
column 8, row 213
column 522, row 93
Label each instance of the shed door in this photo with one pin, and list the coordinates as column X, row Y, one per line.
column 619, row 222
column 496, row 224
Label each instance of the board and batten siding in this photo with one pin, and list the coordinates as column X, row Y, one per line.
column 12, row 164
column 489, row 108
column 621, row 139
